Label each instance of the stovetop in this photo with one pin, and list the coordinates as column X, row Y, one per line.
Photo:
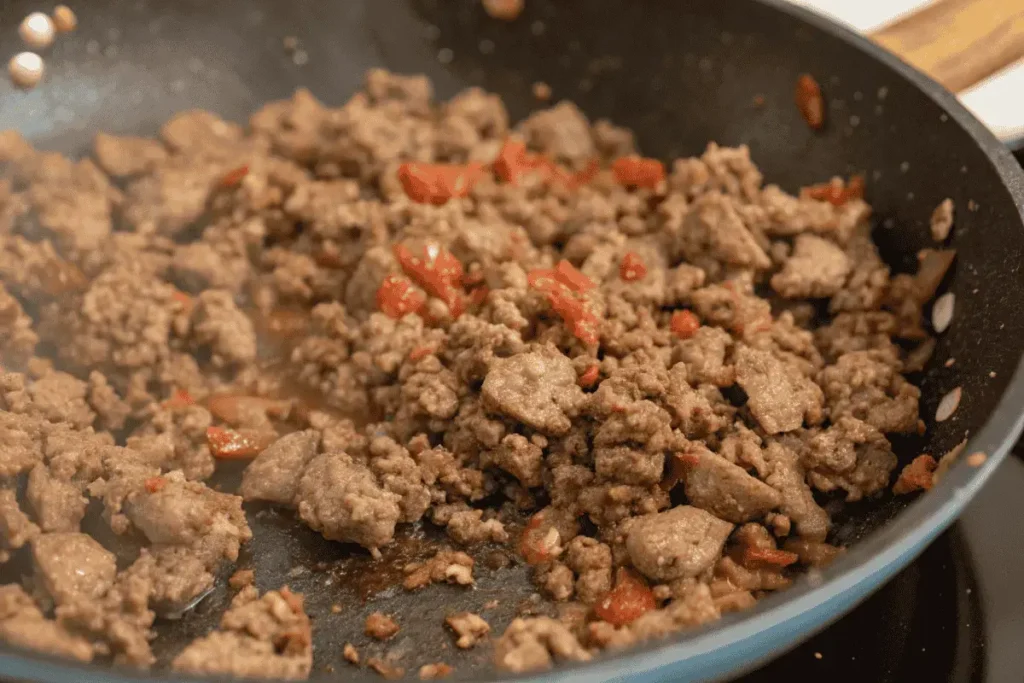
column 955, row 615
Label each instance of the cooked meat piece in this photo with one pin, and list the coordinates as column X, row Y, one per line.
column 217, row 323
column 22, row 624
column 190, row 514
column 122, row 156
column 430, row 672
column 242, row 578
column 535, row 644
column 537, row 388
column 72, row 566
column 780, row 396
column 341, row 499
column 350, row 653
column 816, row 269
column 680, row 542
column 16, row 529
column 274, row 475
column 592, row 562
column 176, row 577
column 521, row 458
column 446, row 566
column 17, row 338
column 727, row 491
column 469, row 526
column 469, row 627
column 380, row 626
column 713, row 236
column 55, row 397
column 562, row 132
column 867, row 385
column 259, row 637
column 56, row 505
column 704, row 355
column 788, row 478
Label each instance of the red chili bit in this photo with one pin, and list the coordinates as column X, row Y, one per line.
column 512, row 161
column 437, row 183
column 567, row 274
column 229, row 444
column 478, row 296
column 632, row 267
column 179, row 399
column 583, row 323
column 154, row 484
column 531, row 543
column 587, row 175
column 589, row 377
column 638, row 172
column 182, row 298
column 396, row 297
column 836, row 192
column 768, row 556
column 628, row 601
column 234, row 177
column 684, row 324
column 438, row 272
column 810, row 102
column 420, row 352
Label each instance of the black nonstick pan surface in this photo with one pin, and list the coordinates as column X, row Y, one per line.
column 679, row 74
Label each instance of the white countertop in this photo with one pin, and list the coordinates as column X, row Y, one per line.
column 998, row 100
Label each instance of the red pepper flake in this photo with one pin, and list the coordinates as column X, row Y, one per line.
column 420, row 352
column 768, row 556
column 587, row 175
column 512, row 161
column 589, row 377
column 560, row 286
column 438, row 272
column 917, row 476
column 567, row 274
column 836, row 192
column 810, row 102
column 396, row 297
column 234, row 177
column 437, row 183
column 182, row 298
column 627, row 602
column 179, row 399
column 632, row 267
column 154, row 484
column 638, row 172
column 684, row 324
column 229, row 444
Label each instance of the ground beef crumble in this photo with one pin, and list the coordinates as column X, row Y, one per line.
column 666, row 378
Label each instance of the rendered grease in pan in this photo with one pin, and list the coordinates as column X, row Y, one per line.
column 502, row 345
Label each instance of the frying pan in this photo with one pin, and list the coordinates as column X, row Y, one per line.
column 677, row 73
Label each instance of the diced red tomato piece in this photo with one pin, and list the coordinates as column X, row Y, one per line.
column 179, row 399
column 836, row 192
column 589, row 376
column 438, row 183
column 628, row 601
column 684, row 324
column 810, row 101
column 531, row 543
column 567, row 274
column 638, row 172
column 396, row 297
column 234, row 177
column 632, row 267
column 438, row 272
column 420, row 352
column 154, row 484
column 768, row 556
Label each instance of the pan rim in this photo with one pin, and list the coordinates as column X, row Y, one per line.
column 870, row 562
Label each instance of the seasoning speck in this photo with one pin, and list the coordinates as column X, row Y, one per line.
column 949, row 362
column 506, row 10
column 992, row 374
column 976, row 459
column 37, row 30
column 817, row 655
column 300, row 57
column 64, row 19
column 942, row 312
column 948, row 405
column 542, row 91
column 26, row 69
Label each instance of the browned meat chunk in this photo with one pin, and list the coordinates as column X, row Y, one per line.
column 122, row 156
column 56, row 505
column 380, row 626
column 73, row 566
column 274, row 475
column 537, row 388
column 16, row 529
column 535, row 644
column 341, row 499
column 22, row 624
column 866, row 385
column 727, row 491
column 469, row 627
column 713, row 235
column 788, row 478
column 219, row 325
column 816, row 269
column 677, row 543
column 781, row 397
column 450, row 566
column 259, row 637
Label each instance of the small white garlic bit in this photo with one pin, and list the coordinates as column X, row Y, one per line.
column 942, row 312
column 948, row 405
column 26, row 69
column 37, row 30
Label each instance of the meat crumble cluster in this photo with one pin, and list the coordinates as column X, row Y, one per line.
column 404, row 311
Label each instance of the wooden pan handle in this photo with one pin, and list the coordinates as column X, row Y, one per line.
column 958, row 42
